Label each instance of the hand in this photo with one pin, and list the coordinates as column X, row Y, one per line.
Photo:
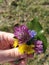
column 6, row 43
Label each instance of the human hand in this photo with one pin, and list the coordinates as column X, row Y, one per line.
column 6, row 43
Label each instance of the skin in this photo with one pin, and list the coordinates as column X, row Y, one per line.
column 7, row 52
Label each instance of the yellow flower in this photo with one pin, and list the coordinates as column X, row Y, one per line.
column 15, row 43
column 24, row 48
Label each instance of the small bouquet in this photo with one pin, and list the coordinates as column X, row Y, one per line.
column 30, row 38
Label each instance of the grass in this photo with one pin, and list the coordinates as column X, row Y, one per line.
column 22, row 11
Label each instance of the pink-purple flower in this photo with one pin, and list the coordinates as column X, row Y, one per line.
column 23, row 34
column 38, row 46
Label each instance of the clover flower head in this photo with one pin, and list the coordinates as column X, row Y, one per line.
column 38, row 46
column 21, row 33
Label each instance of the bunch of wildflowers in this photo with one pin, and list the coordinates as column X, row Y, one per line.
column 24, row 40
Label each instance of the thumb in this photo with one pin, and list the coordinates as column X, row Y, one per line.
column 14, row 53
column 20, row 60
column 10, row 55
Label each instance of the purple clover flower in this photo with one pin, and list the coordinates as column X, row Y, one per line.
column 23, row 34
column 38, row 46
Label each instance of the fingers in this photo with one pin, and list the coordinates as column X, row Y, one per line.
column 18, row 56
column 21, row 59
column 14, row 54
column 11, row 55
column 6, row 40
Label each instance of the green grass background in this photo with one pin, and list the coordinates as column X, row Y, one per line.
column 22, row 11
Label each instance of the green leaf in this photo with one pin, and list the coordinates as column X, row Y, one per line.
column 34, row 25
column 44, row 40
